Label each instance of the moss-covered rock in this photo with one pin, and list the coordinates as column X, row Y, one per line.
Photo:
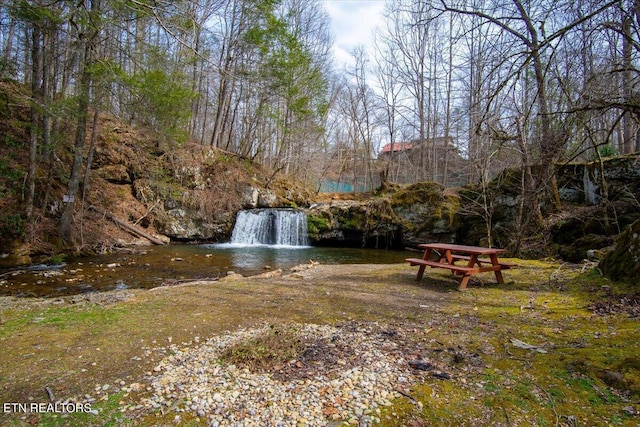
column 354, row 223
column 419, row 193
column 580, row 248
column 427, row 212
column 623, row 261
column 319, row 223
column 411, row 215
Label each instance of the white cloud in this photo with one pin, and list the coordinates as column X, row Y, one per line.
column 352, row 23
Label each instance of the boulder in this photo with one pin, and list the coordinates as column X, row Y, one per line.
column 412, row 215
column 622, row 263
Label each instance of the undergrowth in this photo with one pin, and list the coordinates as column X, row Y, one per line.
column 277, row 346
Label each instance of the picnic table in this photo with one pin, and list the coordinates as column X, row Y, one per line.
column 475, row 259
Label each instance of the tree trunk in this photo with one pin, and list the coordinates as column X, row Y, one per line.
column 627, row 87
column 36, row 89
column 6, row 56
column 84, row 90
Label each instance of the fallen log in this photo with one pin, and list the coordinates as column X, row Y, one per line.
column 129, row 227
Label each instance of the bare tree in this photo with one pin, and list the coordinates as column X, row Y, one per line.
column 88, row 36
column 529, row 27
column 407, row 33
column 389, row 100
column 232, row 25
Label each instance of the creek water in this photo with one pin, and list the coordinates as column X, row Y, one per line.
column 154, row 266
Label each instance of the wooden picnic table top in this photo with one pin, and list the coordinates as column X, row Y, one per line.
column 474, row 250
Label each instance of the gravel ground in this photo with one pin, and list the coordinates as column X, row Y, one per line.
column 347, row 373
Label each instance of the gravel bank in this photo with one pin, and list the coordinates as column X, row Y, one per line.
column 347, row 373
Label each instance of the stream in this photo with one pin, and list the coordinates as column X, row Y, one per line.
column 154, row 266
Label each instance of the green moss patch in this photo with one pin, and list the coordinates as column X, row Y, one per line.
column 422, row 192
column 320, row 223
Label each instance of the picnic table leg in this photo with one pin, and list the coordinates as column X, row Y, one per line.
column 473, row 259
column 464, row 281
column 495, row 262
column 447, row 258
column 426, row 256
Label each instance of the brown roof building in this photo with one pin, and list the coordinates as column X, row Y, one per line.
column 434, row 159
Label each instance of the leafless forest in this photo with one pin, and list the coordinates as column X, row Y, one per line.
column 455, row 90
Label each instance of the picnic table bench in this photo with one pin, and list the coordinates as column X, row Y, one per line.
column 478, row 260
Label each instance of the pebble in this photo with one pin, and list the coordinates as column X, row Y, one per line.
column 194, row 380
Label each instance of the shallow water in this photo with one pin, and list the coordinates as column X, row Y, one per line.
column 156, row 265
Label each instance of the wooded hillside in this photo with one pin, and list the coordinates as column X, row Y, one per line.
column 529, row 84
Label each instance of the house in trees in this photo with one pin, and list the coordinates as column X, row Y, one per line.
column 434, row 159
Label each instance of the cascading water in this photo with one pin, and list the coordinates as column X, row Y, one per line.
column 282, row 227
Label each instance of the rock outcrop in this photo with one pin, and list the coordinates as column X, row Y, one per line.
column 599, row 199
column 409, row 216
column 623, row 261
column 199, row 193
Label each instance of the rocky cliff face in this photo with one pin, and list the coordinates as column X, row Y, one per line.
column 371, row 223
column 599, row 200
column 408, row 216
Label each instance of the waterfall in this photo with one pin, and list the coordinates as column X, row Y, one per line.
column 285, row 227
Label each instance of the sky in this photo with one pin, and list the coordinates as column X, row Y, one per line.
column 352, row 23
